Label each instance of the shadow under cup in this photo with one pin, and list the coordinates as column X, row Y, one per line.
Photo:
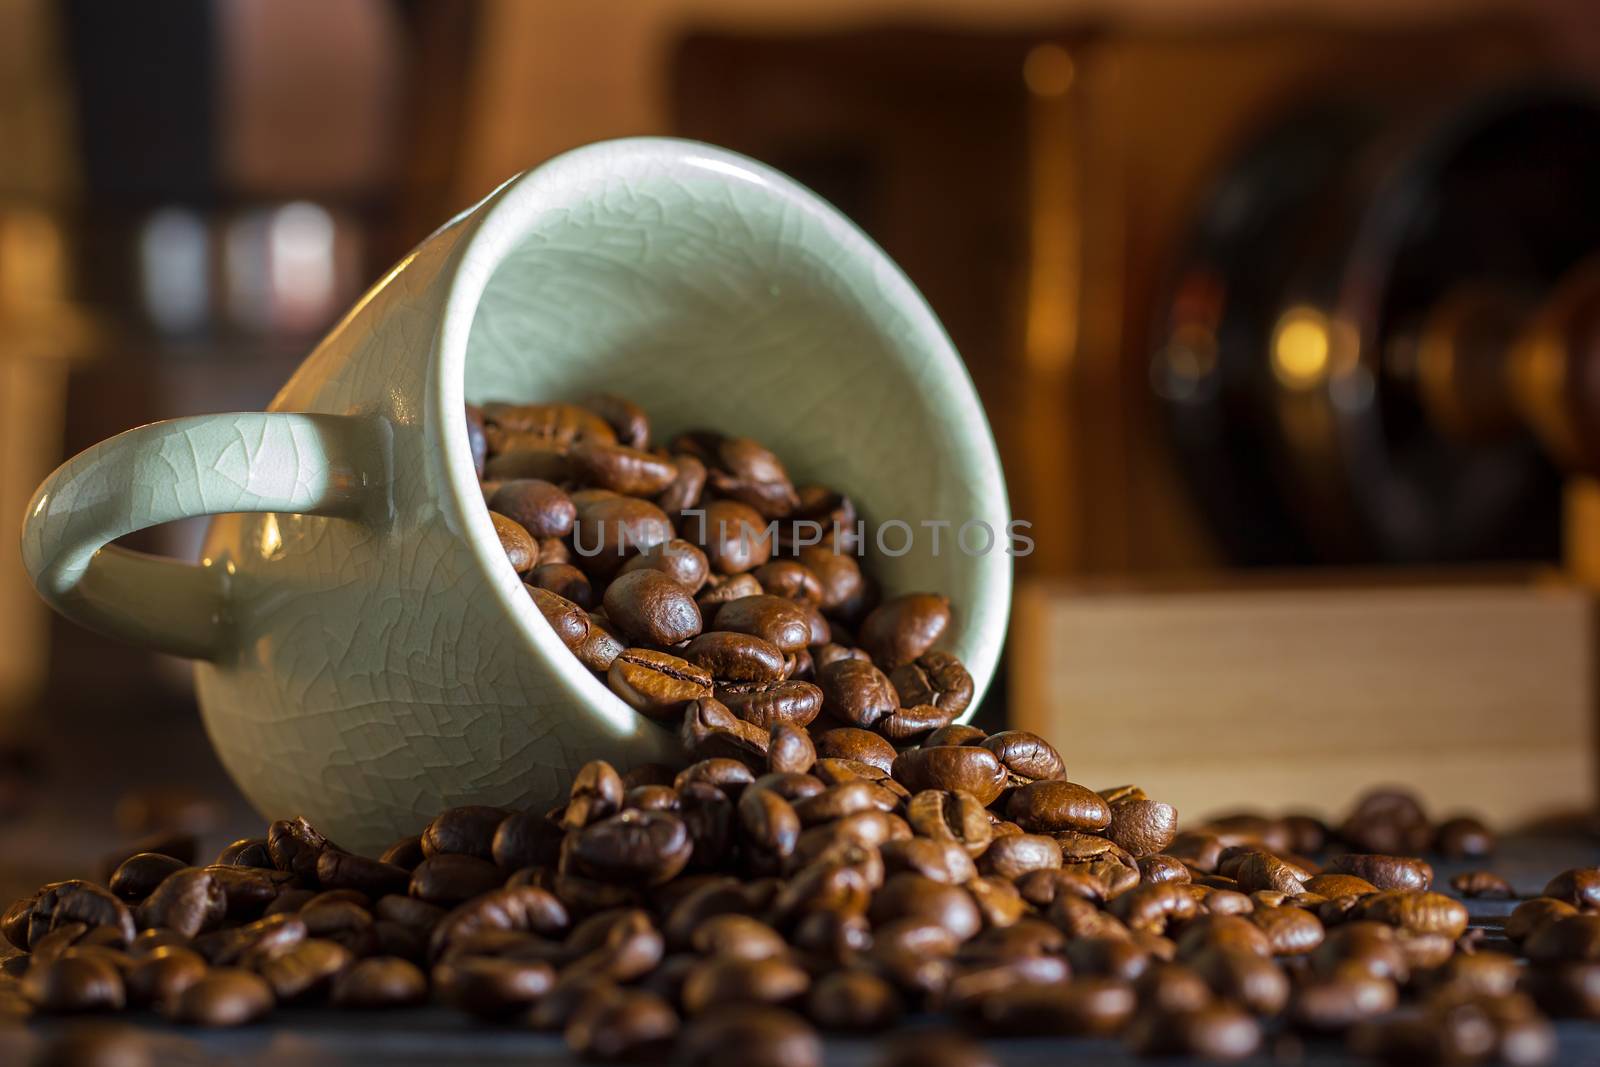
column 725, row 297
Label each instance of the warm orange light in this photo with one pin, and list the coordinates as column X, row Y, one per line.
column 1301, row 348
column 1048, row 70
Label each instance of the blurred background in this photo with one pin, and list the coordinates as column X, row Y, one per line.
column 1286, row 314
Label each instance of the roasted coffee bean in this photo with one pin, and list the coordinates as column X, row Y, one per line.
column 711, row 731
column 611, row 528
column 720, row 589
column 1291, row 931
column 596, row 792
column 908, row 895
column 743, row 470
column 380, row 982
column 633, row 1024
column 464, row 831
column 765, row 704
column 157, row 978
column 564, row 580
column 245, row 852
column 524, row 839
column 1579, row 886
column 854, row 1000
column 1575, row 938
column 967, row 768
column 1387, row 822
column 31, row 918
column 251, row 942
column 139, row 874
column 908, row 724
column 1141, row 826
column 523, row 909
column 294, row 845
column 1054, row 806
column 790, row 749
column 722, row 981
column 1026, row 757
column 733, row 536
column 656, row 684
column 1014, row 855
column 73, row 984
column 1093, row 1006
column 903, row 628
column 626, row 419
column 650, row 608
column 224, row 997
column 736, row 657
column 771, row 827
column 779, row 622
column 1385, row 872
column 406, row 852
column 1463, row 838
column 188, row 901
column 852, row 743
column 620, row 468
column 520, row 549
column 540, row 508
column 567, row 619
column 1485, row 885
column 687, row 487
column 634, row 847
column 749, row 1035
column 1338, row 1003
column 493, row 987
column 1531, row 914
column 449, row 878
column 602, row 647
column 345, row 870
column 936, row 678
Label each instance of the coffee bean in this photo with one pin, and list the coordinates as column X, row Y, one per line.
column 723, row 981
column 294, row 845
column 601, row 648
column 380, row 982
column 732, row 534
column 610, row 528
column 770, row 825
column 857, row 1001
column 540, row 508
column 790, row 580
column 139, row 874
column 711, row 731
column 720, row 589
column 687, row 487
column 678, row 560
column 1485, row 885
column 345, row 870
column 655, row 684
column 632, row 1024
column 749, row 1036
column 1014, row 855
column 406, row 852
column 790, row 749
column 950, row 767
column 908, row 724
column 224, row 997
column 188, row 901
column 161, row 975
column 620, row 468
column 522, row 552
column 1463, row 838
column 1052, row 806
column 1386, row 822
column 643, row 847
column 626, row 419
column 1338, row 1003
column 903, row 628
column 1385, row 872
column 650, row 608
column 564, row 580
column 775, row 620
column 1579, row 886
column 736, row 657
column 463, row 831
column 306, row 970
column 1575, row 938
column 245, row 852
column 1142, row 826
column 73, row 984
column 1087, row 1006
column 1026, row 757
column 596, row 792
column 491, row 987
column 450, row 878
column 765, row 704
column 936, row 678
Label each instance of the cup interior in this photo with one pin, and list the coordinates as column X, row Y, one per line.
column 716, row 293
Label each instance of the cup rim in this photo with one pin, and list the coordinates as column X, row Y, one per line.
column 499, row 222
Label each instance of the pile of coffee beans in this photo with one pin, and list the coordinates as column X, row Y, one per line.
column 833, row 855
column 711, row 593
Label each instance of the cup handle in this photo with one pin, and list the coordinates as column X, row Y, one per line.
column 331, row 465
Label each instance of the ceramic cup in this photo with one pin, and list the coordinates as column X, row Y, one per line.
column 365, row 655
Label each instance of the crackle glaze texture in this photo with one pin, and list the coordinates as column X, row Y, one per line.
column 370, row 657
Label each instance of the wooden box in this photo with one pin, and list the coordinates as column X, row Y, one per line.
column 1480, row 696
